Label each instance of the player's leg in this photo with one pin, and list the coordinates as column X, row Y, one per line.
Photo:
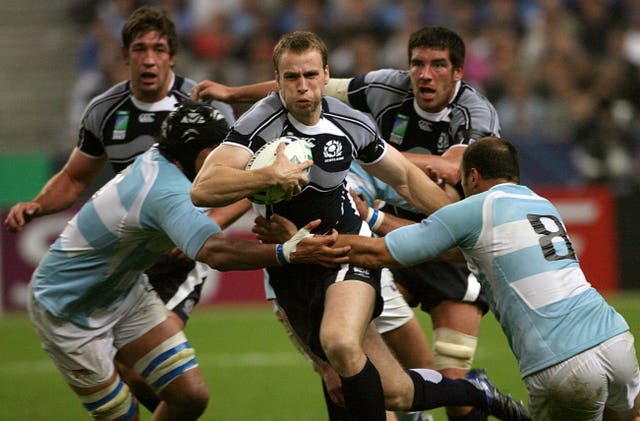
column 349, row 306
column 87, row 366
column 403, row 334
column 164, row 358
column 178, row 282
column 456, row 305
column 421, row 389
column 456, row 326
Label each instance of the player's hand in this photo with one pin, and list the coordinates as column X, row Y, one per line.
column 361, row 206
column 208, row 90
column 20, row 215
column 276, row 229
column 289, row 175
column 317, row 249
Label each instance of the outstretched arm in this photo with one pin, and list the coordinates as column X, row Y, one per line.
column 409, row 181
column 208, row 90
column 224, row 253
column 60, row 192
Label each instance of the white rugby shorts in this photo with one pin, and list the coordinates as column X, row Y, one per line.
column 580, row 388
column 84, row 356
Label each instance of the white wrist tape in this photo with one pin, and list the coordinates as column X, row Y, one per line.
column 375, row 217
column 283, row 251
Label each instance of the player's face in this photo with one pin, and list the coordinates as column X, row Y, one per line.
column 150, row 65
column 433, row 78
column 301, row 81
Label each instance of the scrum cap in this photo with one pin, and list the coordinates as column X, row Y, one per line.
column 187, row 130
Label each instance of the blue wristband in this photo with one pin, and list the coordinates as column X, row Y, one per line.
column 374, row 218
column 280, row 254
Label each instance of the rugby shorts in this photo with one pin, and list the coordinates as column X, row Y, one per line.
column 432, row 282
column 301, row 290
column 581, row 387
column 84, row 356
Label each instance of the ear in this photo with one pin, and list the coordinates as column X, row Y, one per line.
column 458, row 73
column 327, row 74
column 125, row 55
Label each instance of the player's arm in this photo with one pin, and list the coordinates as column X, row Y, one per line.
column 409, row 181
column 227, row 215
column 224, row 253
column 380, row 222
column 446, row 166
column 223, row 180
column 60, row 192
column 208, row 90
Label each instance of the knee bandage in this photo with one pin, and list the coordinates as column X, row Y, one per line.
column 453, row 349
column 111, row 402
column 166, row 362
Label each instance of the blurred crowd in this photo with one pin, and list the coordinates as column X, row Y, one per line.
column 563, row 75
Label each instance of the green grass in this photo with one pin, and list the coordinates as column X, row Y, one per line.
column 252, row 370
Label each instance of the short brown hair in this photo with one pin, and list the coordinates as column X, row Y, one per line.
column 299, row 42
column 439, row 38
column 146, row 19
column 493, row 158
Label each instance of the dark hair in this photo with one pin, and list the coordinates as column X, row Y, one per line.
column 188, row 129
column 146, row 19
column 299, row 42
column 493, row 158
column 441, row 39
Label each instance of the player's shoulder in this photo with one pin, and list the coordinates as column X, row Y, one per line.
column 336, row 108
column 263, row 112
column 391, row 77
column 182, row 85
column 113, row 95
column 469, row 96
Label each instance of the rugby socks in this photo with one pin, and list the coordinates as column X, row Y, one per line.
column 334, row 411
column 363, row 395
column 432, row 390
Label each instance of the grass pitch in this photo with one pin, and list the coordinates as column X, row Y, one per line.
column 252, row 370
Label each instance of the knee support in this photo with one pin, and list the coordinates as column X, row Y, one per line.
column 166, row 362
column 453, row 349
column 111, row 402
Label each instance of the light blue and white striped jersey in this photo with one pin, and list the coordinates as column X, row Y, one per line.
column 104, row 249
column 515, row 242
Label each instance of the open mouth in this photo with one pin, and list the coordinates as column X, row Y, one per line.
column 148, row 77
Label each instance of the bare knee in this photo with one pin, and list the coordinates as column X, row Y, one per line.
column 186, row 399
column 345, row 354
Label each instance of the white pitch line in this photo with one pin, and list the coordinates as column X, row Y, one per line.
column 255, row 359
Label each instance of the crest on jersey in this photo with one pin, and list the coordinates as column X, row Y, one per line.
column 399, row 129
column 332, row 151
column 120, row 126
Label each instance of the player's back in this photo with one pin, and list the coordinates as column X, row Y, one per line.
column 538, row 291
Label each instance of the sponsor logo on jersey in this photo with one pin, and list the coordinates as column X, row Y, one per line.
column 443, row 142
column 147, row 118
column 399, row 129
column 425, row 126
column 332, row 151
column 120, row 126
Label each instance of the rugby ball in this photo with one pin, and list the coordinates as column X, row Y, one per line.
column 297, row 150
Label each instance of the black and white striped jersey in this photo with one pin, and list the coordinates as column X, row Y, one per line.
column 387, row 95
column 342, row 135
column 117, row 124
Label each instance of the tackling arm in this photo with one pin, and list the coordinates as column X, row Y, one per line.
column 409, row 181
column 60, row 192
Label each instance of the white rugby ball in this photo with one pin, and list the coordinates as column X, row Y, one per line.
column 297, row 150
